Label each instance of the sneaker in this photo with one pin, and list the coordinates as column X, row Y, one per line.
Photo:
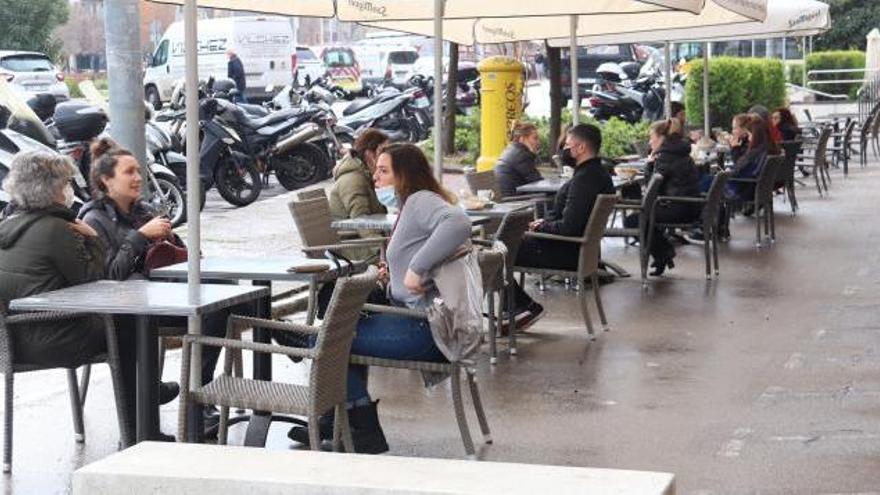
column 168, row 391
column 523, row 320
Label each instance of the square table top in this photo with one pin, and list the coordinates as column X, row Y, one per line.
column 264, row 268
column 498, row 210
column 552, row 185
column 139, row 297
column 385, row 222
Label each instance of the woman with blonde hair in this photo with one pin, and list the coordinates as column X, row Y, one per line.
column 518, row 163
column 673, row 161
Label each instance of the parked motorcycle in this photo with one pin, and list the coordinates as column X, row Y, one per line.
column 630, row 91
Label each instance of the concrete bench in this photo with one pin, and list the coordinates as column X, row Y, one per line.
column 175, row 468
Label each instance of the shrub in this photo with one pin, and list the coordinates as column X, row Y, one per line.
column 843, row 59
column 795, row 72
column 735, row 84
column 73, row 86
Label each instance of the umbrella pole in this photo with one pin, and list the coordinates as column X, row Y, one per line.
column 804, row 52
column 667, row 101
column 707, row 125
column 193, row 180
column 573, row 65
column 438, row 88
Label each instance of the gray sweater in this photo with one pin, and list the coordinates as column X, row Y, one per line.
column 429, row 230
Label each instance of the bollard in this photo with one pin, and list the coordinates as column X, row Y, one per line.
column 500, row 104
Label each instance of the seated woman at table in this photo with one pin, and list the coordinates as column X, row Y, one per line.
column 672, row 159
column 749, row 163
column 43, row 247
column 783, row 126
column 128, row 227
column 430, row 229
column 517, row 164
column 352, row 194
column 739, row 136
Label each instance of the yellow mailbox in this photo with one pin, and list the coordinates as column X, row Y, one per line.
column 500, row 105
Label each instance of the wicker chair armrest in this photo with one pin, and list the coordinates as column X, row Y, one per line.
column 554, row 237
column 247, row 321
column 681, row 199
column 743, row 180
column 523, row 197
column 373, row 241
column 628, row 206
column 248, row 346
column 42, row 317
column 290, row 293
column 394, row 310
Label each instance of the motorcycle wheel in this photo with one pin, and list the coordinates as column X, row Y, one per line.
column 238, row 184
column 304, row 166
column 170, row 199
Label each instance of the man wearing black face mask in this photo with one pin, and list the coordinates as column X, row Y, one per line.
column 574, row 203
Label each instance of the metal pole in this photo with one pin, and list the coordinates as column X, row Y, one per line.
column 804, row 52
column 193, row 179
column 768, row 50
column 784, row 49
column 438, row 88
column 126, row 77
column 573, row 64
column 753, row 48
column 667, row 103
column 707, row 125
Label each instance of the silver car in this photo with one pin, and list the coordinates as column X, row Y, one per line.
column 33, row 73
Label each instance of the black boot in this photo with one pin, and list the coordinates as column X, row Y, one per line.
column 366, row 431
column 325, row 430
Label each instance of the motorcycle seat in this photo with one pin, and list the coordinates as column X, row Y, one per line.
column 269, row 120
column 357, row 106
column 254, row 111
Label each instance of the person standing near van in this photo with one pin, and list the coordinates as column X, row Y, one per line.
column 235, row 71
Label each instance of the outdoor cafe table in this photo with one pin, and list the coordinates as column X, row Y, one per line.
column 552, row 185
column 385, row 222
column 142, row 299
column 262, row 271
column 500, row 210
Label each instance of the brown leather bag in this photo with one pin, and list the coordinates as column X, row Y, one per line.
column 164, row 253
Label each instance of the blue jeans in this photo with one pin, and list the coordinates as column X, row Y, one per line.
column 392, row 337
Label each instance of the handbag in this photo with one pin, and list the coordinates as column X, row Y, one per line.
column 164, row 253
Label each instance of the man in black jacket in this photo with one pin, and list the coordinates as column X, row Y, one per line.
column 235, row 71
column 574, row 204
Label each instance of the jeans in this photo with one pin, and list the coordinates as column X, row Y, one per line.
column 392, row 337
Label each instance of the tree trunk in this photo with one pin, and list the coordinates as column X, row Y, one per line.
column 451, row 90
column 555, row 76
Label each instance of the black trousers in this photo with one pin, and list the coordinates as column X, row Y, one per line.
column 660, row 247
column 541, row 253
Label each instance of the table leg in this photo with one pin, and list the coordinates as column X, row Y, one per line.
column 147, row 380
column 258, row 425
column 312, row 310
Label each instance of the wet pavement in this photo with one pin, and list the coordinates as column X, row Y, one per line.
column 765, row 381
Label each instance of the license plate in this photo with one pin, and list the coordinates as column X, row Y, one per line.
column 37, row 88
column 422, row 102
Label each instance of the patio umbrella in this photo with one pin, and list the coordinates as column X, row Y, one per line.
column 785, row 18
column 872, row 53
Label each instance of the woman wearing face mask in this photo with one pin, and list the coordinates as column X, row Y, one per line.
column 429, row 230
column 128, row 227
column 43, row 248
column 352, row 194
column 517, row 165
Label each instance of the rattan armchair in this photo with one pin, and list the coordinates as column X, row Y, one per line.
column 327, row 378
column 478, row 181
column 762, row 202
column 588, row 258
column 10, row 366
column 641, row 231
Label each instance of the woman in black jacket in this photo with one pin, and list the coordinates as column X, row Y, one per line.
column 672, row 160
column 517, row 165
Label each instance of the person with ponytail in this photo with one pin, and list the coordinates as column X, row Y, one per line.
column 518, row 163
column 672, row 160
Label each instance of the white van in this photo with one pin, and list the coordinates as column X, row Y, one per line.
column 265, row 46
column 389, row 64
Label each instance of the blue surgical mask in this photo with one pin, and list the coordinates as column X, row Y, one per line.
column 387, row 196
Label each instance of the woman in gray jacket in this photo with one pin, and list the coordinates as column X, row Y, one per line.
column 429, row 230
column 517, row 165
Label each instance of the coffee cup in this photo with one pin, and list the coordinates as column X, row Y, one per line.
column 485, row 195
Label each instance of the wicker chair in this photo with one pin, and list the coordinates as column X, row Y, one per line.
column 313, row 221
column 327, row 379
column 763, row 199
column 510, row 233
column 786, row 172
column 842, row 148
column 641, row 232
column 10, row 367
column 865, row 136
column 478, row 181
column 818, row 161
column 708, row 221
column 311, row 194
column 588, row 259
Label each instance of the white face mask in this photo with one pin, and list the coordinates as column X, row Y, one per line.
column 69, row 196
column 387, row 196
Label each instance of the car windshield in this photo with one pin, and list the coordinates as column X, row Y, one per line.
column 26, row 63
column 403, row 57
column 305, row 54
column 338, row 58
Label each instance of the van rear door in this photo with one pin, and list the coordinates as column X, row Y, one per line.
column 265, row 46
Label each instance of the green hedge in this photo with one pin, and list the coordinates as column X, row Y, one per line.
column 735, row 85
column 795, row 72
column 617, row 137
column 843, row 59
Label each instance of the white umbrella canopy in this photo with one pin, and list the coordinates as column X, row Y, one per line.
column 872, row 53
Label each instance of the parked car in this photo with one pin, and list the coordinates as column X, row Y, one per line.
column 306, row 63
column 589, row 59
column 33, row 73
column 386, row 64
column 264, row 44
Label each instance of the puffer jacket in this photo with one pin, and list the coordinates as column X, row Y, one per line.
column 352, row 194
column 515, row 168
column 680, row 175
column 125, row 248
column 39, row 253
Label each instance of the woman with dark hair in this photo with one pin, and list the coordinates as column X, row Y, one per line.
column 783, row 125
column 672, row 160
column 353, row 194
column 517, row 164
column 128, row 227
column 429, row 230
column 749, row 164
